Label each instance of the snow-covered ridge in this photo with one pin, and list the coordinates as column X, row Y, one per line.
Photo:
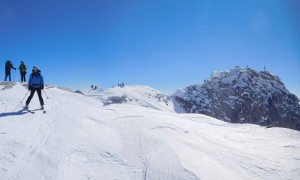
column 134, row 95
column 242, row 95
column 243, row 77
column 80, row 138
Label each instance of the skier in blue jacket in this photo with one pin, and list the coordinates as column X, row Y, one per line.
column 35, row 83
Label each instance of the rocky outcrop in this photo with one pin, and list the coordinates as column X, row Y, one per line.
column 242, row 95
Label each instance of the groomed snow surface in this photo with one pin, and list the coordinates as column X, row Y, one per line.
column 79, row 138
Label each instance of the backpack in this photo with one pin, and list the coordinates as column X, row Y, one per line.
column 22, row 68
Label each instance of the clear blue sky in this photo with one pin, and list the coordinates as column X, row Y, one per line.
column 166, row 44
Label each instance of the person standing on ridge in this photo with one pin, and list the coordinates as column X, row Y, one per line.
column 23, row 69
column 35, row 83
column 8, row 66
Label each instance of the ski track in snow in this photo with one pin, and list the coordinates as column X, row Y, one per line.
column 79, row 138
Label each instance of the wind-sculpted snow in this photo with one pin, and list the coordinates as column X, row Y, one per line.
column 135, row 95
column 81, row 138
column 6, row 85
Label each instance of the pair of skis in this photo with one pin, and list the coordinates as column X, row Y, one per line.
column 32, row 112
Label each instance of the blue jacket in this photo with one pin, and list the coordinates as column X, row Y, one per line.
column 36, row 80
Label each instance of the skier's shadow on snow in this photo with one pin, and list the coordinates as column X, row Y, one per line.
column 18, row 113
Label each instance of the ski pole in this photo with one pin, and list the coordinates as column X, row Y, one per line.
column 21, row 101
column 45, row 94
column 14, row 75
column 25, row 96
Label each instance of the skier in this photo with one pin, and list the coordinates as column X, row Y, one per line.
column 22, row 69
column 35, row 83
column 8, row 66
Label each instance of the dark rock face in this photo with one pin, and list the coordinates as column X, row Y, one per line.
column 242, row 95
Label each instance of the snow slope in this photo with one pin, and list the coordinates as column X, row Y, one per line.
column 135, row 95
column 79, row 138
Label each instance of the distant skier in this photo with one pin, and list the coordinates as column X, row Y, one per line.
column 121, row 85
column 8, row 67
column 23, row 69
column 35, row 83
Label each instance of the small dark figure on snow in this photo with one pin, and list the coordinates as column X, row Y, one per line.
column 35, row 83
column 8, row 67
column 92, row 87
column 23, row 69
column 121, row 85
column 95, row 87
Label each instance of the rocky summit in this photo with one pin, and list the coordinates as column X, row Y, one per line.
column 242, row 95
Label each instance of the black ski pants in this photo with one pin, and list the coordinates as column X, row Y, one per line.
column 39, row 92
column 23, row 76
column 7, row 75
